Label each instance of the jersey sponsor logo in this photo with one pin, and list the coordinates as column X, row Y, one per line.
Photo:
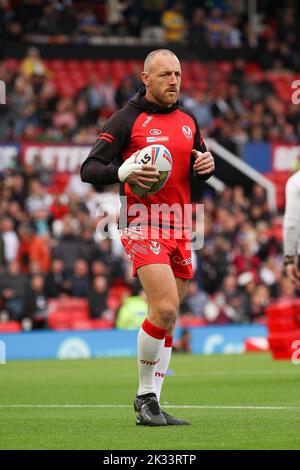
column 157, row 139
column 183, row 262
column 155, row 247
column 106, row 136
column 149, row 118
column 155, row 132
column 187, row 132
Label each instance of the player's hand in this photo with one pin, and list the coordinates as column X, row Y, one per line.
column 145, row 177
column 204, row 162
column 293, row 274
column 137, row 173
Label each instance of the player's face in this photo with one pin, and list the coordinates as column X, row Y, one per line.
column 163, row 80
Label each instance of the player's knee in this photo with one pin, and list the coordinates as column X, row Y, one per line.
column 167, row 312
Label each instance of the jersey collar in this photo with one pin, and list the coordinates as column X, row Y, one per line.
column 149, row 106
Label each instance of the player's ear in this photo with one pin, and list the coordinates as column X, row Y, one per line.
column 145, row 78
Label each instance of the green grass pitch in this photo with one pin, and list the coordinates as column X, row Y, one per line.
column 234, row 402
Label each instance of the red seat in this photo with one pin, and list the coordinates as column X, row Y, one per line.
column 10, row 327
column 63, row 312
column 91, row 324
column 188, row 321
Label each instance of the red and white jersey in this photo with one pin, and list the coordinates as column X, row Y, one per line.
column 139, row 124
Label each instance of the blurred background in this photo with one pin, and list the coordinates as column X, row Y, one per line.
column 67, row 66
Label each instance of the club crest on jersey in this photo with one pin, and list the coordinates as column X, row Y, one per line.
column 149, row 118
column 155, row 247
column 187, row 132
column 155, row 132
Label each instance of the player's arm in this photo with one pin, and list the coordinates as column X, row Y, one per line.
column 105, row 157
column 204, row 163
column 104, row 163
column 291, row 232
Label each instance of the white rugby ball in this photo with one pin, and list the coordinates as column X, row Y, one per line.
column 160, row 157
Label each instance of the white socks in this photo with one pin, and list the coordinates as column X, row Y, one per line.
column 150, row 342
column 163, row 365
column 154, row 354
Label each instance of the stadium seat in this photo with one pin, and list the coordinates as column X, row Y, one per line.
column 91, row 324
column 10, row 327
column 188, row 321
column 63, row 312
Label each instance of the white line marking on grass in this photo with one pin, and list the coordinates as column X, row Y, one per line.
column 192, row 407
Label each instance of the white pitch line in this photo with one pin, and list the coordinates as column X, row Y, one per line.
column 200, row 407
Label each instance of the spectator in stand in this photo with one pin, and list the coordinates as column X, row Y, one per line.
column 232, row 35
column 69, row 247
column 35, row 308
column 49, row 22
column 132, row 312
column 99, row 268
column 19, row 192
column 55, row 279
column 198, row 31
column 101, row 94
column 32, row 64
column 195, row 301
column 79, row 281
column 32, row 248
column 88, row 22
column 13, row 288
column 10, row 240
column 64, row 117
column 38, row 198
column 89, row 247
column 97, row 298
column 124, row 92
column 201, row 108
column 59, row 207
column 114, row 16
column 215, row 28
column 246, row 260
column 20, row 102
column 259, row 300
column 151, row 11
column 174, row 23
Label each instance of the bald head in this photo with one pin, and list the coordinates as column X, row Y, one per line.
column 162, row 77
column 156, row 54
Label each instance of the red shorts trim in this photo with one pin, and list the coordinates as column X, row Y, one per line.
column 144, row 251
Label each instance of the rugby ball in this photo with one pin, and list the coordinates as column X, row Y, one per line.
column 160, row 157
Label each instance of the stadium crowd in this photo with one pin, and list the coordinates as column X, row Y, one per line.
column 214, row 23
column 242, row 103
column 50, row 247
